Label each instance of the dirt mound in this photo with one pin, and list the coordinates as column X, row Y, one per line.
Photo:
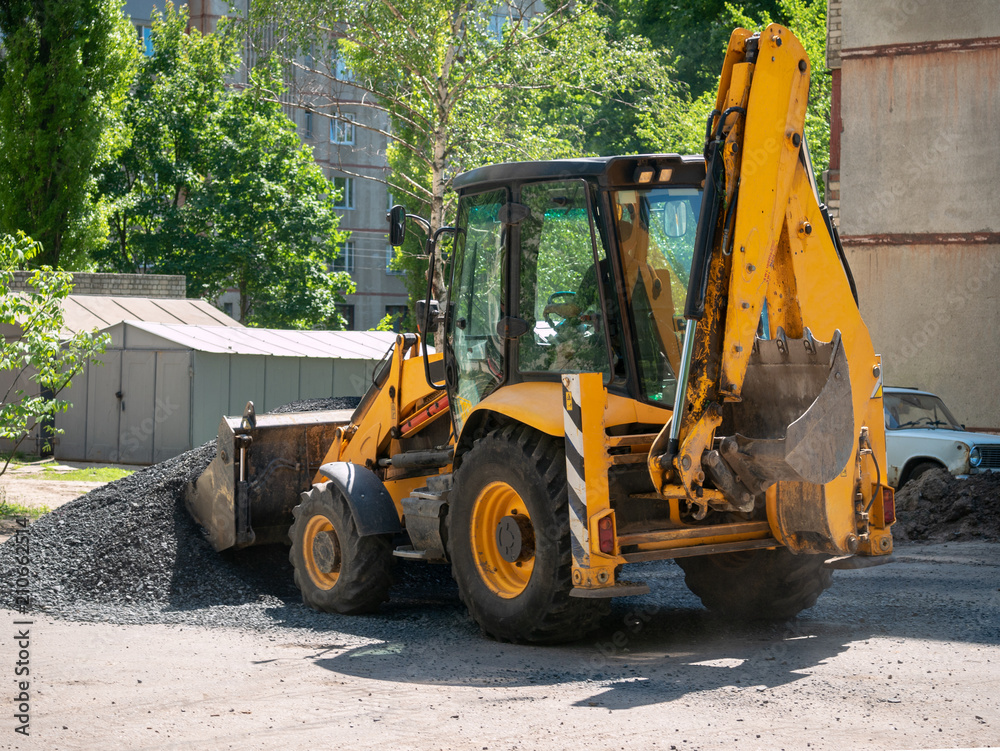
column 132, row 543
column 939, row 507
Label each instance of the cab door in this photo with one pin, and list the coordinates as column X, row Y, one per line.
column 478, row 299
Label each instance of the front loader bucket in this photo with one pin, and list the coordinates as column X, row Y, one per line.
column 246, row 494
column 796, row 419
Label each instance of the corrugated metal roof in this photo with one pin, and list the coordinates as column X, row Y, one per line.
column 347, row 345
column 85, row 312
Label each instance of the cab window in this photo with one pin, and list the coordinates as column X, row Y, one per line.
column 559, row 282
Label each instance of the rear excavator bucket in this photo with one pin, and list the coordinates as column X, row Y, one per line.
column 246, row 494
column 795, row 421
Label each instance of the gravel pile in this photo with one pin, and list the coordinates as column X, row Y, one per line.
column 128, row 552
column 939, row 507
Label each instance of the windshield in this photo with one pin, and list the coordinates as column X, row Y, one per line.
column 656, row 230
column 905, row 411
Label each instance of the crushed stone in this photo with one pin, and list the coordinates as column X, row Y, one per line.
column 128, row 552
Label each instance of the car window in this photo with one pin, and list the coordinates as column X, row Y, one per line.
column 906, row 411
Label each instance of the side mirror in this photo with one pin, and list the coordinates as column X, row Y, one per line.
column 422, row 312
column 397, row 225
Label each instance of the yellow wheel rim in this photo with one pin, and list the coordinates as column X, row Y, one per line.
column 506, row 578
column 321, row 551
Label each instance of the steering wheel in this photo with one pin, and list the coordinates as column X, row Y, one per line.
column 562, row 305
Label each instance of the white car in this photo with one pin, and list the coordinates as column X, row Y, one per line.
column 921, row 434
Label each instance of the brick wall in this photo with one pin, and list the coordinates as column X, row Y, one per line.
column 834, row 38
column 118, row 285
column 832, row 180
column 833, row 34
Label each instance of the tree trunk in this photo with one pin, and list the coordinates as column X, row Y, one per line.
column 440, row 283
column 244, row 302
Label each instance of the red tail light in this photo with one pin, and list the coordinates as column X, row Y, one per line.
column 606, row 535
column 888, row 506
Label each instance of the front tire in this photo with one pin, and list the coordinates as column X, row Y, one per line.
column 336, row 569
column 509, row 540
column 757, row 584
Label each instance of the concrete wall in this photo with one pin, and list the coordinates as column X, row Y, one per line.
column 868, row 23
column 919, row 168
column 117, row 285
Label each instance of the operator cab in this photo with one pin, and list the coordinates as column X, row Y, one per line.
column 548, row 256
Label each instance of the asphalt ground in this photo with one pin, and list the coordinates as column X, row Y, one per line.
column 901, row 656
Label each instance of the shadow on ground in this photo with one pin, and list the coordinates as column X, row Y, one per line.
column 651, row 649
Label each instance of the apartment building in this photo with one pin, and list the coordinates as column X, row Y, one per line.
column 352, row 153
column 914, row 97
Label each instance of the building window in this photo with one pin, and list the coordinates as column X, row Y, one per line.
column 345, row 257
column 347, row 313
column 398, row 313
column 390, row 254
column 497, row 21
column 345, row 192
column 309, row 125
column 342, row 131
column 340, row 69
column 227, row 308
column 145, row 39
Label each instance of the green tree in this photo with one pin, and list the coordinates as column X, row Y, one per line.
column 695, row 32
column 268, row 211
column 459, row 85
column 807, row 20
column 64, row 75
column 216, row 185
column 170, row 122
column 36, row 349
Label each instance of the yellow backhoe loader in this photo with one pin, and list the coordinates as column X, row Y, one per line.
column 645, row 357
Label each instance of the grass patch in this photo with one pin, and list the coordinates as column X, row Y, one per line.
column 90, row 474
column 19, row 457
column 15, row 510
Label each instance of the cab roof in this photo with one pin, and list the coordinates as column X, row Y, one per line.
column 608, row 170
column 906, row 390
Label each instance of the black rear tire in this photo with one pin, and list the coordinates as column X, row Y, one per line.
column 336, row 569
column 517, row 468
column 918, row 469
column 757, row 584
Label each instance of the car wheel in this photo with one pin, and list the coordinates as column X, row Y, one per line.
column 920, row 469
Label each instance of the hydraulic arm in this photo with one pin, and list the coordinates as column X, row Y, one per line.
column 779, row 386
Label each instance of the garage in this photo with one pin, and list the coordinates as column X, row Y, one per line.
column 162, row 388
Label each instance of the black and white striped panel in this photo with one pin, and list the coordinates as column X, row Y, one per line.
column 575, row 475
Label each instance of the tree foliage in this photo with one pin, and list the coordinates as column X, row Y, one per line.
column 36, row 349
column 462, row 84
column 170, row 119
column 216, row 185
column 64, row 77
column 697, row 33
